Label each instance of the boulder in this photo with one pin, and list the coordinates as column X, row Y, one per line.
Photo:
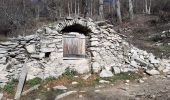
column 134, row 64
column 44, row 50
column 96, row 67
column 106, row 73
column 3, row 51
column 153, row 60
column 152, row 72
column 94, row 43
column 3, row 77
column 116, row 70
column 3, row 60
column 30, row 48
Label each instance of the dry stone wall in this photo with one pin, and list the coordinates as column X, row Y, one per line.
column 43, row 53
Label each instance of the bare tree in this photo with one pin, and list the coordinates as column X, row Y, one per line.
column 101, row 13
column 131, row 9
column 118, row 11
column 148, row 6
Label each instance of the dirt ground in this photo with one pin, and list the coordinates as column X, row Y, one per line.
column 153, row 88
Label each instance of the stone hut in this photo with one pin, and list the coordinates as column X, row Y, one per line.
column 80, row 44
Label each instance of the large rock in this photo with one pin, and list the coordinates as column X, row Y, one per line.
column 44, row 50
column 94, row 43
column 134, row 64
column 3, row 60
column 152, row 72
column 153, row 60
column 3, row 51
column 106, row 73
column 3, row 76
column 96, row 67
column 116, row 70
column 31, row 48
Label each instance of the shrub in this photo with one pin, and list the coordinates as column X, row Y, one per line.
column 34, row 81
column 9, row 88
column 50, row 78
column 70, row 72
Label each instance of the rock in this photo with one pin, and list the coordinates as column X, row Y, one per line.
column 161, row 68
column 74, row 83
column 97, row 90
column 153, row 60
column 30, row 48
column 167, row 65
column 166, row 70
column 104, row 81
column 3, row 60
column 96, row 67
column 37, row 99
column 64, row 95
column 8, row 43
column 86, row 76
column 106, row 73
column 3, row 77
column 116, row 70
column 80, row 96
column 1, row 96
column 127, row 81
column 44, row 50
column 152, row 72
column 142, row 62
column 60, row 87
column 3, row 51
column 134, row 64
column 94, row 39
column 94, row 43
column 140, row 81
column 48, row 30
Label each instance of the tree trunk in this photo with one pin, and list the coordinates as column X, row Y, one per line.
column 148, row 8
column 118, row 11
column 150, row 4
column 131, row 10
column 75, row 7
column 78, row 10
column 101, row 14
column 68, row 9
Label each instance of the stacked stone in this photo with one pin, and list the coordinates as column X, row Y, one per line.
column 111, row 52
column 13, row 55
column 43, row 53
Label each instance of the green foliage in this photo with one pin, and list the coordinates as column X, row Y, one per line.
column 50, row 79
column 70, row 72
column 9, row 88
column 121, row 76
column 34, row 81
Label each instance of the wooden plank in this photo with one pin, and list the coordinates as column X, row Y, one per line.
column 21, row 82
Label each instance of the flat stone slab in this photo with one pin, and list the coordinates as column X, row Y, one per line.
column 60, row 87
column 64, row 95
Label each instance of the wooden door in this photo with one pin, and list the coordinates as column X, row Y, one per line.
column 74, row 46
